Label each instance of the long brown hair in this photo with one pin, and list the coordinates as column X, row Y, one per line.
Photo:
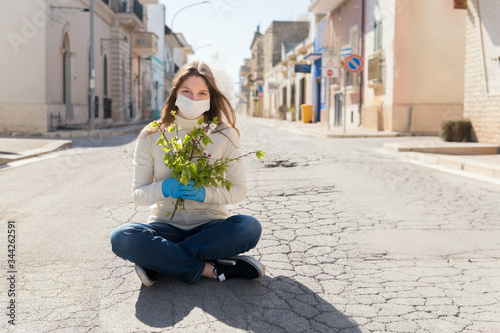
column 220, row 106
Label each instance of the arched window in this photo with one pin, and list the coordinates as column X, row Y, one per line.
column 66, row 70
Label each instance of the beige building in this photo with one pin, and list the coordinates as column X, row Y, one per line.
column 339, row 25
column 181, row 52
column 244, row 90
column 251, row 74
column 255, row 76
column 482, row 69
column 285, row 90
column 45, row 53
column 280, row 38
column 414, row 57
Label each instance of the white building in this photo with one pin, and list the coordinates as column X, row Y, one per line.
column 45, row 56
column 155, row 17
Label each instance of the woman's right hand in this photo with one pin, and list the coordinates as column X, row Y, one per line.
column 174, row 188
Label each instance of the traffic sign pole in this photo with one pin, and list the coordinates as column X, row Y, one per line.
column 353, row 64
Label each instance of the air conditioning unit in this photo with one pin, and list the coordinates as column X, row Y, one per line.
column 375, row 70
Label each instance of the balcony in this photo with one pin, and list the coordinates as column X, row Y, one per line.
column 129, row 13
column 244, row 70
column 145, row 44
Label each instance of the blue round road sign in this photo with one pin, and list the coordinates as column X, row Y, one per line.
column 354, row 64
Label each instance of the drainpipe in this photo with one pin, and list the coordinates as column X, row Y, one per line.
column 131, row 80
column 361, row 85
column 410, row 113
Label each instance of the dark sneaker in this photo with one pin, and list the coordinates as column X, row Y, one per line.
column 239, row 267
column 148, row 277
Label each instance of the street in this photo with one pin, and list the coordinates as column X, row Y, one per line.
column 354, row 240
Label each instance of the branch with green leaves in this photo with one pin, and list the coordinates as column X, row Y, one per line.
column 187, row 159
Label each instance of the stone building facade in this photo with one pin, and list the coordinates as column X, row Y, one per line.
column 482, row 70
column 46, row 56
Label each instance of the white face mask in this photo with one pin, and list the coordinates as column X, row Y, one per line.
column 191, row 109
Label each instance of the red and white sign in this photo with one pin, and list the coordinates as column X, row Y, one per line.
column 354, row 63
column 329, row 65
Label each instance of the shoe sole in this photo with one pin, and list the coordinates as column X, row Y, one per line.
column 143, row 276
column 254, row 262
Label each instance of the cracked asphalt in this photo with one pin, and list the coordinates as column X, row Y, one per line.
column 354, row 240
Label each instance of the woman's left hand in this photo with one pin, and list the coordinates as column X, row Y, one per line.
column 194, row 194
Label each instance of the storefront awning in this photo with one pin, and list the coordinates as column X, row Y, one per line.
column 313, row 56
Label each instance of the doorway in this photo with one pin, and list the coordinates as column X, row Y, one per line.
column 67, row 77
column 318, row 99
column 338, row 109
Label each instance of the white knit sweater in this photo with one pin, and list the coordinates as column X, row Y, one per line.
column 150, row 170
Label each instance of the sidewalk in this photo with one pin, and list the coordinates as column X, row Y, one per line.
column 16, row 147
column 321, row 130
column 474, row 158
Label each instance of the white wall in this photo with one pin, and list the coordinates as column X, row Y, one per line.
column 156, row 24
column 22, row 59
column 377, row 10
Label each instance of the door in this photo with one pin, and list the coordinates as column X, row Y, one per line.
column 318, row 100
column 67, row 78
column 338, row 109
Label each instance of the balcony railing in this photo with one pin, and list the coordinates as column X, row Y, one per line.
column 127, row 6
column 138, row 9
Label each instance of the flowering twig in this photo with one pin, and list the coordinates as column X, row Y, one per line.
column 179, row 155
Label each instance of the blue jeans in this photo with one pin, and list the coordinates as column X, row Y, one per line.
column 182, row 254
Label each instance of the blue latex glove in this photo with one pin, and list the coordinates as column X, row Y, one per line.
column 194, row 194
column 174, row 188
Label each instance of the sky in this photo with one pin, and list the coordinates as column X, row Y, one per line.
column 221, row 31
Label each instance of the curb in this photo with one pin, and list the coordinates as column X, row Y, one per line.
column 461, row 159
column 113, row 131
column 448, row 148
column 470, row 166
column 48, row 148
column 56, row 145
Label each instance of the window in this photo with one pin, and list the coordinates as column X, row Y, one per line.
column 105, row 76
column 377, row 45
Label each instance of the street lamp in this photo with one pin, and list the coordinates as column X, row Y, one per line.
column 92, row 72
column 172, row 34
column 200, row 47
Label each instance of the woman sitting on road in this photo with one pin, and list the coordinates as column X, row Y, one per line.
column 202, row 240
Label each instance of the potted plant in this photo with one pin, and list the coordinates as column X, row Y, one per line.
column 282, row 111
column 290, row 115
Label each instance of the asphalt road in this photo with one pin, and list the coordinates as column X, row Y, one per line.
column 355, row 240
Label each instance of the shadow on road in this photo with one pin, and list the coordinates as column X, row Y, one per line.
column 269, row 305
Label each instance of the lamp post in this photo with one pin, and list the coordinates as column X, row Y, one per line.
column 200, row 47
column 91, row 71
column 172, row 67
